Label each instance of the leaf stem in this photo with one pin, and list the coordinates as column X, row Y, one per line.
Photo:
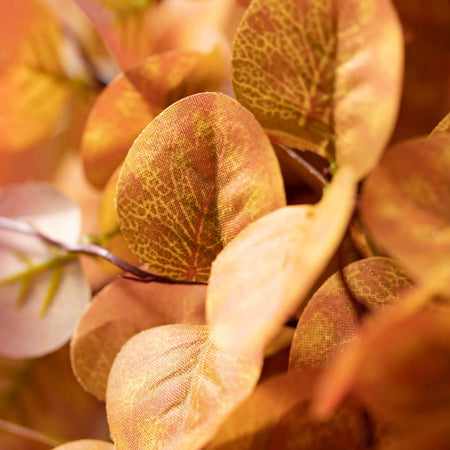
column 75, row 249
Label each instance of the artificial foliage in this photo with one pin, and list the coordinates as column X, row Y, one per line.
column 224, row 224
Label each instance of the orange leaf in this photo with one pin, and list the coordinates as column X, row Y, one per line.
column 134, row 98
column 194, row 178
column 86, row 444
column 42, row 296
column 43, row 396
column 118, row 312
column 331, row 319
column 314, row 74
column 33, row 85
column 263, row 275
column 172, row 386
column 405, row 203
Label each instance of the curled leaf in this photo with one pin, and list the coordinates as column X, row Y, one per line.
column 42, row 293
column 313, row 72
column 271, row 265
column 195, row 177
column 172, row 386
column 134, row 98
column 118, row 312
column 331, row 318
column 405, row 203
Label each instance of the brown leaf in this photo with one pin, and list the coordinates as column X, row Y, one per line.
column 264, row 274
column 194, row 178
column 42, row 296
column 405, row 203
column 118, row 312
column 172, row 386
column 314, row 75
column 331, row 319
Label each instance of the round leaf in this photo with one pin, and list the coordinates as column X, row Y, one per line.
column 195, row 177
column 172, row 386
column 314, row 74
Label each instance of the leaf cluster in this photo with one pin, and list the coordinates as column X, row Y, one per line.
column 283, row 261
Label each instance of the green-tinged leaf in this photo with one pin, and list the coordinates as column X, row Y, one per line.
column 41, row 401
column 405, row 203
column 195, row 177
column 172, row 387
column 314, row 74
column 332, row 318
column 118, row 312
column 262, row 277
column 42, row 293
column 134, row 98
column 33, row 86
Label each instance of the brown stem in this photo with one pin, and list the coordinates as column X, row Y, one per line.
column 18, row 226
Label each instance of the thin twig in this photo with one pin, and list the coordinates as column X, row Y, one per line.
column 18, row 226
